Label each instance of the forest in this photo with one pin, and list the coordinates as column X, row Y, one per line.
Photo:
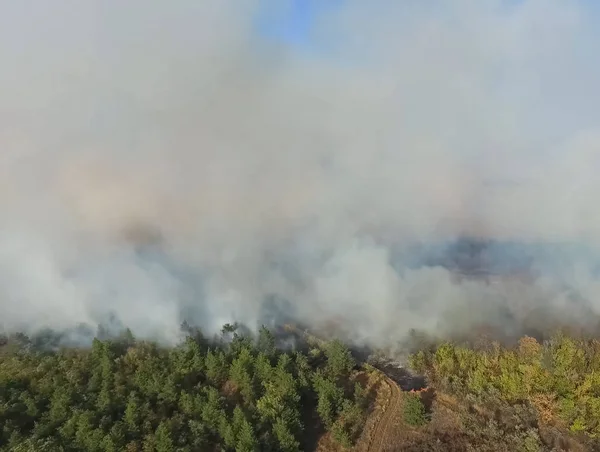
column 234, row 393
column 276, row 391
column 533, row 396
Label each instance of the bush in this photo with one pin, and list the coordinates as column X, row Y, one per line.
column 414, row 410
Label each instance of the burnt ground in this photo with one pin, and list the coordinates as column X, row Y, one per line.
column 403, row 377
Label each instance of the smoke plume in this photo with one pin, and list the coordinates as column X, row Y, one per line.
column 171, row 161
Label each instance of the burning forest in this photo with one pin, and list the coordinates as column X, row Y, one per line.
column 389, row 176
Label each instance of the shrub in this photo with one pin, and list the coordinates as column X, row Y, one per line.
column 414, row 410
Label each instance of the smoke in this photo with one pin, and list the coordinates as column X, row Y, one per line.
column 163, row 162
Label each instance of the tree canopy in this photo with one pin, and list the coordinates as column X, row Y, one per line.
column 235, row 393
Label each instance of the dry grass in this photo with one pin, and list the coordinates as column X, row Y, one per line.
column 385, row 429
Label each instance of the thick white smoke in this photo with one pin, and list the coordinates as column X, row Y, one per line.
column 163, row 161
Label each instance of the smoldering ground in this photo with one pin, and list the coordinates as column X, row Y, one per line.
column 168, row 162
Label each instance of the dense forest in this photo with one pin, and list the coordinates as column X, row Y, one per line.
column 234, row 393
column 277, row 391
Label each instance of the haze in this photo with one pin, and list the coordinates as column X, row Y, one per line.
column 176, row 161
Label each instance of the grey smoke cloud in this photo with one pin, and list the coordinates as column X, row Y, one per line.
column 163, row 162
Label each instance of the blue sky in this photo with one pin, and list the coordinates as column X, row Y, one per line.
column 292, row 25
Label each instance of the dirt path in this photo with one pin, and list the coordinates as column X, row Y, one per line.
column 381, row 430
